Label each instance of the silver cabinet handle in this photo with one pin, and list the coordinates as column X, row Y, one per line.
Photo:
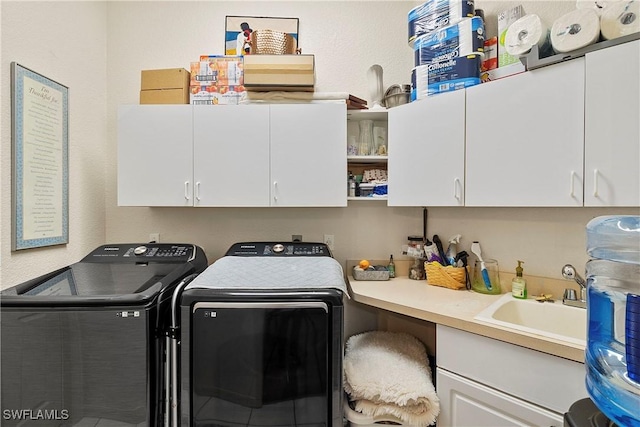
column 198, row 191
column 186, row 190
column 573, row 178
column 595, row 183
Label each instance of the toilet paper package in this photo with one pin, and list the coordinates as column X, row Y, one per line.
column 434, row 14
column 461, row 39
column 575, row 30
column 505, row 19
column 445, row 76
column 525, row 33
column 619, row 19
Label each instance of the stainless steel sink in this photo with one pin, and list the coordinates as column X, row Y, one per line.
column 553, row 320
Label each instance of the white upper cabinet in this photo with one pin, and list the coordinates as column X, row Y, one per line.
column 525, row 138
column 240, row 155
column 426, row 152
column 612, row 135
column 155, row 155
column 308, row 156
column 231, row 155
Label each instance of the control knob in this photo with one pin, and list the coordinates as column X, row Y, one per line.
column 140, row 250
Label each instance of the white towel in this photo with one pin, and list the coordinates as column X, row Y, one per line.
column 389, row 373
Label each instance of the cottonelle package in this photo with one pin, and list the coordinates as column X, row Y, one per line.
column 461, row 39
column 445, row 76
column 435, row 14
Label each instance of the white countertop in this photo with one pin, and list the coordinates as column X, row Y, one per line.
column 457, row 309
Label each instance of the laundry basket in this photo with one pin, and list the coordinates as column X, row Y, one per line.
column 270, row 42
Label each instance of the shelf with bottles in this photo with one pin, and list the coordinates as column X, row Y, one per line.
column 368, row 180
column 367, row 136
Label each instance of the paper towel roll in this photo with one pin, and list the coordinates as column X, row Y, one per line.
column 596, row 5
column 575, row 30
column 525, row 33
column 620, row 18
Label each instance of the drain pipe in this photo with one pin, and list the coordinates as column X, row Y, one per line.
column 171, row 367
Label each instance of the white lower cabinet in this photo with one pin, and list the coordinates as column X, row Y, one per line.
column 468, row 403
column 485, row 382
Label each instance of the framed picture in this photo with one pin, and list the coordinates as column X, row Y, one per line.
column 238, row 31
column 40, row 141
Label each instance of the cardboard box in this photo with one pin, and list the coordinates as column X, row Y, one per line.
column 502, row 72
column 217, row 69
column 217, row 95
column 505, row 19
column 164, row 96
column 164, row 86
column 279, row 72
column 170, row 78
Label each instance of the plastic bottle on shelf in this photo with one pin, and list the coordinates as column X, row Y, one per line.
column 352, row 185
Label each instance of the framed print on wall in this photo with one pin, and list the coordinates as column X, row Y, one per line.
column 238, row 31
column 40, row 141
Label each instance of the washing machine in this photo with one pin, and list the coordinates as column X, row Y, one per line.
column 261, row 339
column 85, row 345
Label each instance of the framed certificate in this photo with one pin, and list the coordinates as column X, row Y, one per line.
column 40, row 141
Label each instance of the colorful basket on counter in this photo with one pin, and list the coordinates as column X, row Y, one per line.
column 449, row 277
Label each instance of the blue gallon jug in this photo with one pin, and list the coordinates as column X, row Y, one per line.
column 613, row 315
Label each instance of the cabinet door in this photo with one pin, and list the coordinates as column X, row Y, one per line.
column 308, row 156
column 525, row 139
column 612, row 134
column 155, row 155
column 467, row 403
column 231, row 155
column 426, row 152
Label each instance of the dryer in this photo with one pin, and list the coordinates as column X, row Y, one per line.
column 261, row 339
column 85, row 345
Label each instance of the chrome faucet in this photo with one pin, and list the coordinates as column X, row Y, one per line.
column 569, row 297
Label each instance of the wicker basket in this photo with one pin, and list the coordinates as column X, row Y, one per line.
column 449, row 277
column 270, row 42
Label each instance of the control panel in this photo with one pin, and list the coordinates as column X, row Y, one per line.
column 142, row 252
column 278, row 249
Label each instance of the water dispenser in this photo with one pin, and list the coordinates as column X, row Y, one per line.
column 613, row 315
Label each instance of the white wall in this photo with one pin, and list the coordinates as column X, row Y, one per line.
column 91, row 46
column 66, row 42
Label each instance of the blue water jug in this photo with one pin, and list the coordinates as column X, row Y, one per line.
column 613, row 317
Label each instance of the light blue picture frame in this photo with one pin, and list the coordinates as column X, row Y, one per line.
column 40, row 159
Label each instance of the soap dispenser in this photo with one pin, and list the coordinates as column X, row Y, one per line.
column 519, row 284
